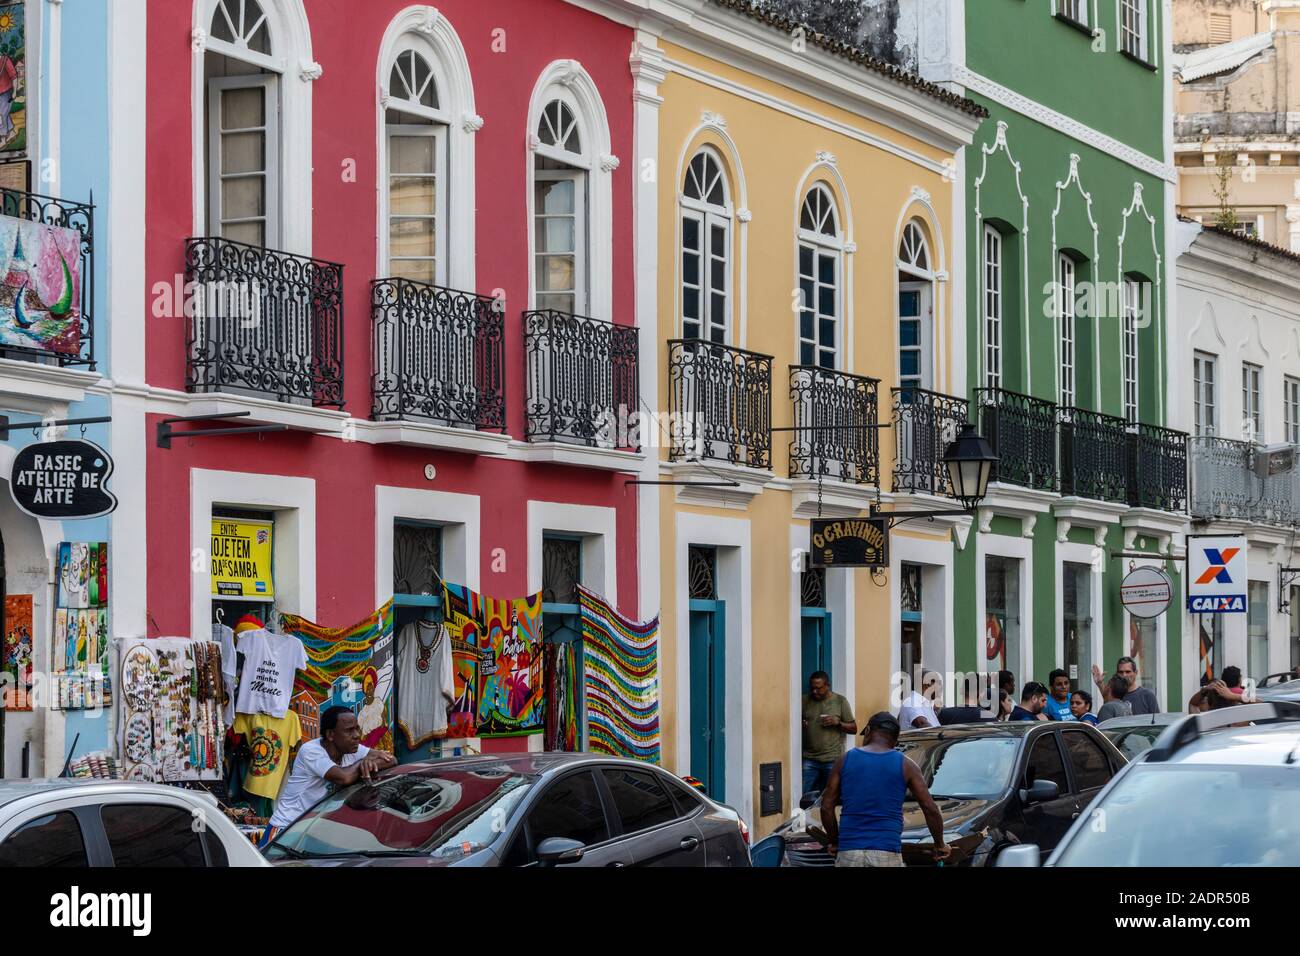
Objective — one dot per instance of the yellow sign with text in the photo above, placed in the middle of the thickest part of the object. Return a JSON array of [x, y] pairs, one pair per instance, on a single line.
[[241, 559]]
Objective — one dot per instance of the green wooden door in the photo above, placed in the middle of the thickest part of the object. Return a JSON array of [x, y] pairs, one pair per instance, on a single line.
[[708, 696]]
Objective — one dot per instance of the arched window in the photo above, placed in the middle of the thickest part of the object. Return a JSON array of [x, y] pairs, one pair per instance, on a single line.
[[821, 250], [706, 249], [416, 140], [915, 308], [913, 253], [559, 208]]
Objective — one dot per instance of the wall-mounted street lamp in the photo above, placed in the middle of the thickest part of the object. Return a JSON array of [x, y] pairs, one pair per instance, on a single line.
[[969, 460]]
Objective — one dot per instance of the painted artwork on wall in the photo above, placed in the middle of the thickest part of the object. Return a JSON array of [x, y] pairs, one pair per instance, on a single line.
[[510, 668], [40, 288], [17, 661], [13, 78]]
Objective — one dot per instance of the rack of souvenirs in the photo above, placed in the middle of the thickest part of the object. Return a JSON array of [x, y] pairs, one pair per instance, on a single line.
[[80, 655], [100, 765], [169, 719]]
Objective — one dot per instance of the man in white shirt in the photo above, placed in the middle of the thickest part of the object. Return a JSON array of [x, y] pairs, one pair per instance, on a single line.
[[336, 759], [918, 709]]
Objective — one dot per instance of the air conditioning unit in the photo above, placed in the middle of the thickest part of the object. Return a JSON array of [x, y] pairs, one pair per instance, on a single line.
[[1275, 459]]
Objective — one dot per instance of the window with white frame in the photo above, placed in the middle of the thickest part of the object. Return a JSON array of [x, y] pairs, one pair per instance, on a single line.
[[992, 307], [820, 252], [1076, 10], [243, 125], [914, 296], [1291, 405], [560, 211], [1065, 297], [706, 249], [1133, 28], [1252, 415], [1132, 308], [1205, 393], [416, 144]]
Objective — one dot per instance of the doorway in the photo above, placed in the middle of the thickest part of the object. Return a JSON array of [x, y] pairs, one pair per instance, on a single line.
[[708, 683]]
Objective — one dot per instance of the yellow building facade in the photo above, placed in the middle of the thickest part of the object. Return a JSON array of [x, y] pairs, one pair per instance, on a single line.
[[799, 244]]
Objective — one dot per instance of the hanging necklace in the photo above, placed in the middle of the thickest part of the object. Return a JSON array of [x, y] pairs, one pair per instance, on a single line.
[[425, 650]]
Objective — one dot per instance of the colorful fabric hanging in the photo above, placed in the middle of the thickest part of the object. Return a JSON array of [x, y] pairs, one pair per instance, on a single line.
[[621, 682], [462, 613], [510, 668], [562, 697], [349, 667]]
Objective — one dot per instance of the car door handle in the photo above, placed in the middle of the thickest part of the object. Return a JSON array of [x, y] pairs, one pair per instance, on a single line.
[[690, 843], [616, 863]]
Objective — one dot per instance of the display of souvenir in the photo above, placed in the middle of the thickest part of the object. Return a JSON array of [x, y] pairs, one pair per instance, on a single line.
[[139, 737], [139, 675]]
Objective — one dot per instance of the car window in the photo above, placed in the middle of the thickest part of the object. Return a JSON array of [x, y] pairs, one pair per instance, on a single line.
[[150, 834], [1045, 763], [570, 808], [639, 799], [52, 840], [1133, 742], [963, 767], [687, 800], [216, 850], [517, 854], [1091, 768]]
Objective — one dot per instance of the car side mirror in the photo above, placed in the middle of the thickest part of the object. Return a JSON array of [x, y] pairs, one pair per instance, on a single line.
[[1022, 854], [1040, 792], [554, 851]]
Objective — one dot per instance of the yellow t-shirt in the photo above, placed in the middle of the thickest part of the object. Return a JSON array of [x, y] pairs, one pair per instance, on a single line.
[[270, 739]]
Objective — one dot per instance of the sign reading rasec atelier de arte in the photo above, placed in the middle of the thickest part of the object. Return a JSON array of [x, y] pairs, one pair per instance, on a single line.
[[62, 479], [849, 543]]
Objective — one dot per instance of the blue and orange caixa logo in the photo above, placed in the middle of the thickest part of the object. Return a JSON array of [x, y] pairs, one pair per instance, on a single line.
[[1216, 575]]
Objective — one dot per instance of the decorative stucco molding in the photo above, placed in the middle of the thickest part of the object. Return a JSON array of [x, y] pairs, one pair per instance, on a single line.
[[310, 71]]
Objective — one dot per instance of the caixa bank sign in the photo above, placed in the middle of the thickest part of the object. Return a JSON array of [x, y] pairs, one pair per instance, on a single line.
[[1216, 574]]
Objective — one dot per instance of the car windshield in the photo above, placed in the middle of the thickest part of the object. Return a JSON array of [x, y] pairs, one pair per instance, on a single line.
[[449, 813], [963, 767], [1132, 741], [1161, 815]]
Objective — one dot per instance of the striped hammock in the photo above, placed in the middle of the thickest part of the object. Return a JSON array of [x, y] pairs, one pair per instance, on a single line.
[[621, 665]]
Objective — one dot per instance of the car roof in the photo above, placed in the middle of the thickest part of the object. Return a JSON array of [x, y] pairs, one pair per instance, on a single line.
[[14, 790], [989, 728], [1268, 745], [1140, 720], [527, 764]]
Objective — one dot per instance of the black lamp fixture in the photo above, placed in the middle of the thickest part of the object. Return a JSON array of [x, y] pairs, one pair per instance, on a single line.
[[969, 460]]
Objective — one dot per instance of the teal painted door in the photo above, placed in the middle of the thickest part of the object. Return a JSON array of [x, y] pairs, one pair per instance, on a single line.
[[708, 696], [816, 646]]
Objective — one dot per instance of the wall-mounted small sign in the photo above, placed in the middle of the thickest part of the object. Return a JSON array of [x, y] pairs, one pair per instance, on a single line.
[[62, 479], [1146, 592], [849, 543]]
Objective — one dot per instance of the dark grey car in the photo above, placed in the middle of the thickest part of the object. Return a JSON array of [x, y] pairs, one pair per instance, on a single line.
[[517, 810]]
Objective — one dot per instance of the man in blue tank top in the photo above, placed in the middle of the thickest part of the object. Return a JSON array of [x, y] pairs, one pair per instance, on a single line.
[[871, 782]]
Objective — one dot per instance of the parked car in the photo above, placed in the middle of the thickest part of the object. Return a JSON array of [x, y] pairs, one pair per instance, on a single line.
[[1132, 735], [66, 822], [1218, 789], [517, 810], [997, 785], [1283, 687]]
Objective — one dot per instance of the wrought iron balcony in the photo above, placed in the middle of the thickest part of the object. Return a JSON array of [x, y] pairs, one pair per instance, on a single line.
[[582, 380], [1157, 472], [721, 401], [264, 322], [824, 399], [50, 265], [1022, 430], [438, 355], [1239, 480], [925, 423], [1094, 455]]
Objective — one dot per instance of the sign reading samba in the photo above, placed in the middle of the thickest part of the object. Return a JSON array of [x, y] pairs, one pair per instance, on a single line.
[[241, 559], [849, 543]]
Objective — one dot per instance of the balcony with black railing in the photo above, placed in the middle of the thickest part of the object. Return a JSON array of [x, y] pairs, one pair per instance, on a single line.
[[720, 398], [1237, 480], [1157, 468], [833, 415], [1094, 455], [438, 356], [582, 380], [1022, 431], [264, 323], [925, 423]]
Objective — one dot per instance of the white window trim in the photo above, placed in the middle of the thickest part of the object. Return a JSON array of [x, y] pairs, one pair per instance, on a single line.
[[1068, 387], [581, 283], [424, 29], [217, 87], [1090, 555], [1291, 408], [567, 80], [822, 244], [1162, 648], [708, 216], [1201, 390], [1142, 34], [441, 246], [925, 345], [1252, 400], [292, 59], [1132, 296], [596, 526], [457, 515], [988, 545], [992, 323]]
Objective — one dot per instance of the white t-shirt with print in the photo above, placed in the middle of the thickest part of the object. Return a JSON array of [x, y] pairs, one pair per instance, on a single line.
[[307, 785], [270, 661]]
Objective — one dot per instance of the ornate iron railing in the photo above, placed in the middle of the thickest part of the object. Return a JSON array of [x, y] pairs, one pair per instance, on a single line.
[[1230, 479], [582, 380], [265, 322], [1022, 430], [823, 400], [49, 321], [438, 355], [721, 402], [925, 423], [1094, 455], [1157, 468]]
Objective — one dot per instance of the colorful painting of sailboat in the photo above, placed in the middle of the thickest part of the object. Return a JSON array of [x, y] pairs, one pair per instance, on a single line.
[[40, 296]]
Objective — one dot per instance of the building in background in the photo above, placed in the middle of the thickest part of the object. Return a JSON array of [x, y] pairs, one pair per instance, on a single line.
[[1235, 352], [1237, 115]]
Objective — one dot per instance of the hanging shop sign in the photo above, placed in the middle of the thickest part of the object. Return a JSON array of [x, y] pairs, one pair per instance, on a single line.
[[241, 559], [62, 479], [1216, 574], [849, 543], [1146, 592]]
